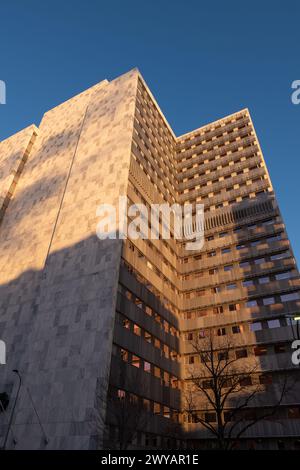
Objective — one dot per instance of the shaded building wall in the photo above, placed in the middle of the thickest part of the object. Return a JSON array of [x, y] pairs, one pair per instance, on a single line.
[[58, 281]]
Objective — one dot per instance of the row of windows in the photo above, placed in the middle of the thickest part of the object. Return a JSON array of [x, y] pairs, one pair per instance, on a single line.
[[242, 246], [235, 120], [148, 337], [242, 264], [148, 439], [166, 379], [247, 282], [292, 412], [151, 266], [263, 301], [236, 200], [241, 230], [238, 136], [148, 405], [245, 381], [217, 153], [237, 230], [205, 198], [233, 307], [223, 176]]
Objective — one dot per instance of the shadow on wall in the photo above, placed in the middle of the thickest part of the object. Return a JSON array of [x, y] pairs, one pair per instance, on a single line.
[[57, 324]]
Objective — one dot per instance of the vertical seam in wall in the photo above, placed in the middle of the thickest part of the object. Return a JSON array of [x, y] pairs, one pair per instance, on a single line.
[[65, 188]]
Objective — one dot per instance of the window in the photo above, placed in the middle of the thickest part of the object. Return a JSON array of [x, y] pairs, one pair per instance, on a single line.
[[210, 417], [221, 331], [157, 408], [148, 310], [217, 310], [259, 260], [248, 283], [231, 286], [294, 413], [268, 301], [213, 271], [229, 267], [126, 323], [244, 264], [191, 359], [189, 336], [264, 280], [283, 255], [211, 254], [225, 250], [279, 348], [289, 297], [245, 381], [121, 394], [147, 367], [207, 384], [286, 275], [260, 350], [251, 303], [241, 247], [223, 356], [135, 361], [228, 416], [233, 307], [147, 337], [274, 238], [236, 329], [216, 289], [223, 234], [256, 326], [137, 330], [265, 379], [124, 355], [241, 353], [274, 323], [268, 222]]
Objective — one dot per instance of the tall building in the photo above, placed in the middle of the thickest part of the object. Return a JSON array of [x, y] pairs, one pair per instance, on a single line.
[[85, 319]]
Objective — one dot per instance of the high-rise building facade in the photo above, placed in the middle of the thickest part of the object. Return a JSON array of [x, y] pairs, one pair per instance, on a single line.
[[84, 319]]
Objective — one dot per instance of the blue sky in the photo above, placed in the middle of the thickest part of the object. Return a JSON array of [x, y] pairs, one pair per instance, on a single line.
[[202, 61]]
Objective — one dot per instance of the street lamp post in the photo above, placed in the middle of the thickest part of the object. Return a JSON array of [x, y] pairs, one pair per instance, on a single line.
[[13, 410]]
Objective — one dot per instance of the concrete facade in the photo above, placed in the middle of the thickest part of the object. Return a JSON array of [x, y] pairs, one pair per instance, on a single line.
[[76, 312]]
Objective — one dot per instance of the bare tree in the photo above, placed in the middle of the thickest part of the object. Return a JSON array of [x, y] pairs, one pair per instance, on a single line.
[[223, 384]]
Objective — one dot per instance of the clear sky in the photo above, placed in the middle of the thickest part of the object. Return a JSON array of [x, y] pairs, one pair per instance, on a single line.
[[202, 60]]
